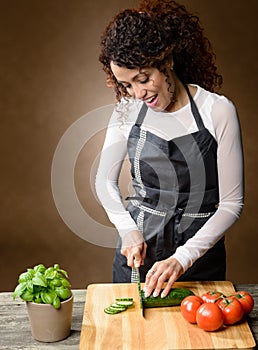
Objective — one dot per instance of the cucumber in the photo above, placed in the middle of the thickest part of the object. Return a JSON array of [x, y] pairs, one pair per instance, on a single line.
[[118, 307], [121, 304], [126, 303], [174, 298], [111, 311]]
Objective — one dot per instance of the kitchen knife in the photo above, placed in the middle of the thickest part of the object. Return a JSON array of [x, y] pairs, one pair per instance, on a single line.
[[136, 279]]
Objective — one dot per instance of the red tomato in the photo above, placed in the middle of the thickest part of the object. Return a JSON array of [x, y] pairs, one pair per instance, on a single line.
[[212, 296], [232, 310], [246, 300], [209, 317], [189, 306]]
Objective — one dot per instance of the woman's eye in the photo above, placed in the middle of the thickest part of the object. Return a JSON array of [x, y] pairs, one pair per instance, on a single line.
[[144, 81], [125, 86]]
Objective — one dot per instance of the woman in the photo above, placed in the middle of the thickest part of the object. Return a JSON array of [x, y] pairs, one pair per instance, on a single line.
[[183, 142]]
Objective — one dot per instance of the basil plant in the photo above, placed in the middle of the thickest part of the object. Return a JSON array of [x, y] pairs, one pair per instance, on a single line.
[[43, 285]]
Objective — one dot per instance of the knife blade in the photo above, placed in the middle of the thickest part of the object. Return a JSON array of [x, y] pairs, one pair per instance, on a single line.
[[136, 272]]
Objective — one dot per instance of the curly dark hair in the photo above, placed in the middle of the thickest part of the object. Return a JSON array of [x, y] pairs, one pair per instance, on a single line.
[[153, 35]]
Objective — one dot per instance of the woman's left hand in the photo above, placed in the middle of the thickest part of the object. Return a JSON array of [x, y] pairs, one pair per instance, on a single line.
[[166, 270]]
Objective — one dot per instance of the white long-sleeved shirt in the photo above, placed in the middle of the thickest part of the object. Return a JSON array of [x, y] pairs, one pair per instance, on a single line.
[[220, 118]]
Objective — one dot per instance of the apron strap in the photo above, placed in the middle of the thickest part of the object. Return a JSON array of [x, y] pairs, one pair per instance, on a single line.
[[195, 111], [141, 114]]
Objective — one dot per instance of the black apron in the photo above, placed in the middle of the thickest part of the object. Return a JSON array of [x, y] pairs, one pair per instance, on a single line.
[[176, 192]]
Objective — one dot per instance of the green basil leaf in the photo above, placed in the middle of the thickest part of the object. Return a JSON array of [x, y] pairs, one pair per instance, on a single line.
[[56, 303], [30, 286], [50, 273], [39, 280], [47, 297], [63, 272], [31, 272], [39, 268], [56, 282], [27, 296], [63, 293], [24, 277], [65, 283], [60, 271], [20, 288]]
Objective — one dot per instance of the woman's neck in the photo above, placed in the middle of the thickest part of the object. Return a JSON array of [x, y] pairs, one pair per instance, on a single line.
[[181, 96]]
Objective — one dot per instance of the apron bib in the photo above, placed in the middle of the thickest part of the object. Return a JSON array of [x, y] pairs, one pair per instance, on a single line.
[[176, 192]]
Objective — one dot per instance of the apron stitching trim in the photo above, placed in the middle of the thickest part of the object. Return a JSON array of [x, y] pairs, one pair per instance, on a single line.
[[197, 215], [163, 213], [139, 147], [147, 209], [140, 220]]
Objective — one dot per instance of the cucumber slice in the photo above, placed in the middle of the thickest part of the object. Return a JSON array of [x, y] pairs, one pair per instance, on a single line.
[[118, 307], [111, 311], [124, 299], [126, 303]]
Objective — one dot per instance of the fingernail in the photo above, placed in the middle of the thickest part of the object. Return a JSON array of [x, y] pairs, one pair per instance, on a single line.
[[146, 293], [155, 294], [162, 295]]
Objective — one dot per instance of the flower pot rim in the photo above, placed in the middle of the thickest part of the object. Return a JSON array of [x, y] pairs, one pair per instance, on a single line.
[[43, 304]]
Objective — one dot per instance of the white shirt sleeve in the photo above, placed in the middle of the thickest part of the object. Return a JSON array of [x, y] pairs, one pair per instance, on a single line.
[[107, 179], [230, 174]]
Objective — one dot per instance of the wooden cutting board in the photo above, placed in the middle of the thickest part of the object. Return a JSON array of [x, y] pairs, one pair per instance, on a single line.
[[160, 329]]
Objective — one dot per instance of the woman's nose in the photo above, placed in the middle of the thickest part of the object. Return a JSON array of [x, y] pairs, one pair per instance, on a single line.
[[139, 92]]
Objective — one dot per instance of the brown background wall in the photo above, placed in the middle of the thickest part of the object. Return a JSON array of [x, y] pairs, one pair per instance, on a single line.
[[49, 78]]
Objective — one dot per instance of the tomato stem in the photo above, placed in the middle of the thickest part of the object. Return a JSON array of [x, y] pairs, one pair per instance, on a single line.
[[220, 297]]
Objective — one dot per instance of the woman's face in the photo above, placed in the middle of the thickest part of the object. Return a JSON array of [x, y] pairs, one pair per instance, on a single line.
[[146, 84]]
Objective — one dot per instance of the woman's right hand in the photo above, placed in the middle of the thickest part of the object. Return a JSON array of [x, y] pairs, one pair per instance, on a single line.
[[134, 248]]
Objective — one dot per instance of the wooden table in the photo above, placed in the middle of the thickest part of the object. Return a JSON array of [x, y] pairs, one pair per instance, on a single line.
[[15, 329]]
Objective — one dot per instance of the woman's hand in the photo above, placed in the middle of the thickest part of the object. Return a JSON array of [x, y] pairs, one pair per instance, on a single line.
[[134, 248], [169, 269]]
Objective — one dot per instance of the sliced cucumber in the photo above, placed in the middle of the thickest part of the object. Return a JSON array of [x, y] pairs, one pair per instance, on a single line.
[[126, 303], [111, 311], [124, 299], [120, 305]]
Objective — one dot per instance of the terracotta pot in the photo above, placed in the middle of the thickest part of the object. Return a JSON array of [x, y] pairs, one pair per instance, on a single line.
[[49, 324]]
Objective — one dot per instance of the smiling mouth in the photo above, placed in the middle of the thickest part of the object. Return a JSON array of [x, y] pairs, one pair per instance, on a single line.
[[152, 101]]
